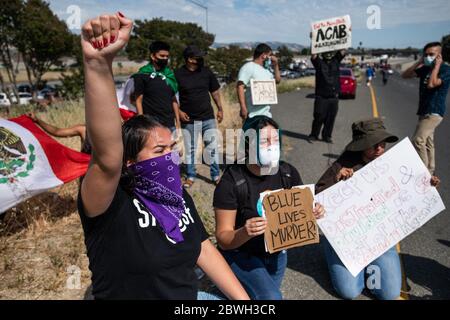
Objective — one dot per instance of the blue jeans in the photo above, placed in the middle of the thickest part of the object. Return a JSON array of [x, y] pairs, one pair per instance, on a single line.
[[349, 287], [261, 277], [202, 295], [211, 144]]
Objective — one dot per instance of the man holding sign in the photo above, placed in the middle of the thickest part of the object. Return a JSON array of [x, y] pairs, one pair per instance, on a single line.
[[367, 213], [240, 225], [330, 38], [258, 70]]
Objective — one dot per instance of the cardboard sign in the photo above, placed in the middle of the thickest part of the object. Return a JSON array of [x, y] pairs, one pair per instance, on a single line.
[[290, 220], [331, 35], [264, 92], [379, 206]]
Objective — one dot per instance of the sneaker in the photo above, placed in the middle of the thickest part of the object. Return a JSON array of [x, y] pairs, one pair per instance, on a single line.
[[328, 140], [188, 183], [216, 181], [312, 138]]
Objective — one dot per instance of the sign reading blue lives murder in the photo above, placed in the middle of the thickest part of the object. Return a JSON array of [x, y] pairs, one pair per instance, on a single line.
[[384, 202], [331, 35], [290, 218]]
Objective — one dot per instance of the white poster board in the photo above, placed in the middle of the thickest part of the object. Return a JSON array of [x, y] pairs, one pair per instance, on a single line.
[[264, 92], [331, 34], [380, 205]]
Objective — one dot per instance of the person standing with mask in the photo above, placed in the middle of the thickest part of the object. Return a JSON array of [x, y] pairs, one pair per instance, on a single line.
[[197, 84], [156, 87], [434, 77], [328, 88], [259, 69], [240, 226]]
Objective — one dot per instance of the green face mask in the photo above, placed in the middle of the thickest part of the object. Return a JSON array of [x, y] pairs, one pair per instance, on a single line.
[[267, 63]]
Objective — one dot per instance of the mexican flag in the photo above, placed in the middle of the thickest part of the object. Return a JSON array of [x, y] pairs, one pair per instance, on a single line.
[[126, 106], [31, 162]]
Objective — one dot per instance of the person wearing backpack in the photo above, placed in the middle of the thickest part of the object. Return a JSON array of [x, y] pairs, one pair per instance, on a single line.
[[239, 224]]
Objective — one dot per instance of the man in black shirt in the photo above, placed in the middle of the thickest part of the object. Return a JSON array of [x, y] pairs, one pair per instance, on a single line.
[[196, 83], [328, 88], [156, 87]]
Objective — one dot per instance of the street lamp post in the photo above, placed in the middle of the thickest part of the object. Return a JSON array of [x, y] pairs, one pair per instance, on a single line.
[[204, 8]]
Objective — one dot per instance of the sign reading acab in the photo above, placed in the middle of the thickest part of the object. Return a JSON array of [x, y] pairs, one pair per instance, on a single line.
[[331, 34]]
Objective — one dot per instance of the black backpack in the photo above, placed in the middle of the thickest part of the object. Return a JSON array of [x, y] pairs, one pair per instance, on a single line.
[[240, 181]]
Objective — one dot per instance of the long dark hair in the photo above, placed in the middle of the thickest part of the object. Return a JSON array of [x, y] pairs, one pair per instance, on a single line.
[[135, 133], [257, 123]]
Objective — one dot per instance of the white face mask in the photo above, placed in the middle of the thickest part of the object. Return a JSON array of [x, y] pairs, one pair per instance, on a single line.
[[429, 60], [269, 156]]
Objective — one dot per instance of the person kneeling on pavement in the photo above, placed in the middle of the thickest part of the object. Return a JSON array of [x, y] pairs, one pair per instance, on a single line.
[[240, 226], [369, 142]]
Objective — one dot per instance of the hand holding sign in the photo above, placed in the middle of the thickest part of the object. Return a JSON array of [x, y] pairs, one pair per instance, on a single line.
[[291, 219], [331, 35], [255, 227]]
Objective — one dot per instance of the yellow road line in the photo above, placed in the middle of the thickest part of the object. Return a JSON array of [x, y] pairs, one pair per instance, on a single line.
[[374, 102], [403, 294]]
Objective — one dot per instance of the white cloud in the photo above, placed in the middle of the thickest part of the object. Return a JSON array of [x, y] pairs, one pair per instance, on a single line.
[[259, 20]]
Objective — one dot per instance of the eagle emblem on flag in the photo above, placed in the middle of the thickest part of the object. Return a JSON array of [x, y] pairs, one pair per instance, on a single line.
[[15, 160]]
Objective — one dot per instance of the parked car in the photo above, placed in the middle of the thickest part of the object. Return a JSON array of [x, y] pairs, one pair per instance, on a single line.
[[4, 101], [348, 83], [294, 75], [24, 88], [24, 98], [309, 72], [119, 84], [284, 73]]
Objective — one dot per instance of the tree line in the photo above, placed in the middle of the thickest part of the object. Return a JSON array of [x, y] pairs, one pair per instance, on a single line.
[[32, 34]]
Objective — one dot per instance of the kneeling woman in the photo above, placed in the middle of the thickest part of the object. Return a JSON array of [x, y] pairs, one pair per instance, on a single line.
[[142, 231], [369, 142], [239, 225]]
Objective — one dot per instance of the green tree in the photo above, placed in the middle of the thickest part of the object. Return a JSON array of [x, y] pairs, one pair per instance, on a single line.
[[43, 40], [10, 12], [306, 52], [446, 48], [285, 57], [227, 61], [72, 85], [177, 34]]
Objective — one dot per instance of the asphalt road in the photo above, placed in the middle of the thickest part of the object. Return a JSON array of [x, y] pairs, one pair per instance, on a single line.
[[425, 253]]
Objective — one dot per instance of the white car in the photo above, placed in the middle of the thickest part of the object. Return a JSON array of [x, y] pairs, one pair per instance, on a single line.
[[24, 98], [4, 101]]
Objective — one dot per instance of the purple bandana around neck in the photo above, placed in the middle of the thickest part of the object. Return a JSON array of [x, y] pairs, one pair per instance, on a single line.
[[158, 187]]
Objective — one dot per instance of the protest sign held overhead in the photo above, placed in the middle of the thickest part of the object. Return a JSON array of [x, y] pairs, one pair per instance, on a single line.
[[384, 202], [331, 34], [290, 218]]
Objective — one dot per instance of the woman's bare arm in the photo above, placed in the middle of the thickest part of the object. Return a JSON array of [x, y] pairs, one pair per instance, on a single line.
[[103, 120]]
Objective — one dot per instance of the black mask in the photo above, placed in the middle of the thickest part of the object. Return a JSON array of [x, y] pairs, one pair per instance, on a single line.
[[162, 63], [327, 56], [200, 62]]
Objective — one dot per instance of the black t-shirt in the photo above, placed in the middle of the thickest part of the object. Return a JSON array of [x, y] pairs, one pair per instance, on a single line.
[[157, 98], [225, 197], [433, 100], [328, 84], [194, 89], [130, 256]]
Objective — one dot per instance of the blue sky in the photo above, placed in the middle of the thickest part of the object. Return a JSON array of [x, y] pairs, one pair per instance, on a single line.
[[403, 22]]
